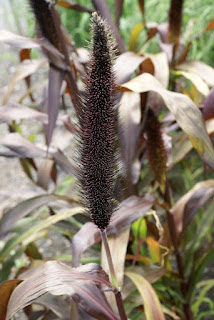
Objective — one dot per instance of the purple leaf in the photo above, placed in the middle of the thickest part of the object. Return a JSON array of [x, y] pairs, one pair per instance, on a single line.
[[130, 210], [55, 83], [83, 284]]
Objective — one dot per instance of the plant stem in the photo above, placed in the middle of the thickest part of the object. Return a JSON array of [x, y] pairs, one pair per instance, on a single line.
[[179, 260], [117, 292]]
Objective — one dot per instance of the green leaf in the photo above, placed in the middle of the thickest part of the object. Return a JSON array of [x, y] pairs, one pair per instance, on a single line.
[[134, 35], [152, 306]]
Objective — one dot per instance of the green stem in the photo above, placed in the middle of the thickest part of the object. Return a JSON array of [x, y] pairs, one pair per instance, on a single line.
[[117, 292]]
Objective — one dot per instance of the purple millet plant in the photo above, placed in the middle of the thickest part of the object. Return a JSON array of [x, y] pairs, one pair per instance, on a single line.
[[98, 128]]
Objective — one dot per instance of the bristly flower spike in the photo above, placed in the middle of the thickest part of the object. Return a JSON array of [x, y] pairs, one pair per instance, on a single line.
[[45, 23], [98, 127]]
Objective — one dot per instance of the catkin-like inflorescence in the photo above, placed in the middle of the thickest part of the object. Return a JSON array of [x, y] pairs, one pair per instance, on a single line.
[[155, 148], [98, 129], [45, 23]]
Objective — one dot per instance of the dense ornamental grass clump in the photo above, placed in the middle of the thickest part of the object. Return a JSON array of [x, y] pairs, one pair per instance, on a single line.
[[98, 129]]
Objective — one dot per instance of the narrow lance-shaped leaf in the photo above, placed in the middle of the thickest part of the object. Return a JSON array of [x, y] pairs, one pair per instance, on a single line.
[[152, 306]]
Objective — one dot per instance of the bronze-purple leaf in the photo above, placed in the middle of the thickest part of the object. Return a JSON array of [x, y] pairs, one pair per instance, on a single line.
[[84, 284], [130, 210]]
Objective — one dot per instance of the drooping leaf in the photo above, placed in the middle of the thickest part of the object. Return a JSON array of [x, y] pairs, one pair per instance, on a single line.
[[17, 41], [73, 5], [132, 62], [6, 289], [14, 111], [34, 229], [26, 68], [82, 283], [130, 210], [200, 84], [24, 208], [23, 148], [204, 71], [184, 110], [186, 207], [152, 306]]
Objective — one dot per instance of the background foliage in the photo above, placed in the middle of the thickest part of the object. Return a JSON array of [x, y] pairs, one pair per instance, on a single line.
[[162, 233]]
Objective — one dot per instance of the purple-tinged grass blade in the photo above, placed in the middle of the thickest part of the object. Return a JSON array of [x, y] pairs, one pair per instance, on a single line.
[[21, 147], [208, 110], [73, 5], [130, 210], [24, 208], [26, 68], [14, 111], [103, 9], [118, 5], [186, 113], [83, 284], [56, 78], [187, 206]]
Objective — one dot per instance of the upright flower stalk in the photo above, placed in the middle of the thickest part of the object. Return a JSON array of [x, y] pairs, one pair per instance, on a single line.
[[98, 129], [97, 158]]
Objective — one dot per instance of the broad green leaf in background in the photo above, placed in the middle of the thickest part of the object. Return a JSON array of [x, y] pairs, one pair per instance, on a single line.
[[152, 306], [184, 110]]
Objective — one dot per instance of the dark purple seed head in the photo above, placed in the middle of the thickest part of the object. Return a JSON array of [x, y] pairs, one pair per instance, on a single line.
[[45, 23], [155, 148], [98, 127]]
